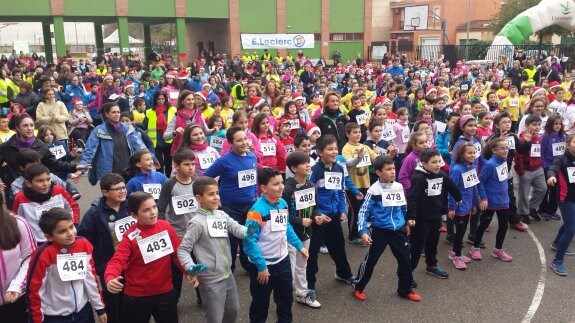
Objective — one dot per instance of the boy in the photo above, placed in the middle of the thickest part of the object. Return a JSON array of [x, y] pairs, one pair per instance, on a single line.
[[139, 111], [558, 105], [439, 112], [513, 104], [39, 196], [103, 225], [300, 195], [313, 132], [301, 143], [5, 132], [358, 116], [401, 100], [65, 267], [380, 208], [425, 204], [328, 177], [359, 175], [207, 237], [267, 250], [128, 118], [529, 169]]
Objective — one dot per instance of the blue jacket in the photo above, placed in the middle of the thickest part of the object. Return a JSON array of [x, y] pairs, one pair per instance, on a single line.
[[329, 202], [442, 145], [95, 227], [348, 182], [227, 168], [136, 183], [89, 98], [73, 92], [149, 96], [100, 141], [381, 217], [478, 159], [469, 196], [490, 188], [547, 142]]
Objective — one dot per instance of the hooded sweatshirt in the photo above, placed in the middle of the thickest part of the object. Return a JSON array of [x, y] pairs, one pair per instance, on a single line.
[[428, 194]]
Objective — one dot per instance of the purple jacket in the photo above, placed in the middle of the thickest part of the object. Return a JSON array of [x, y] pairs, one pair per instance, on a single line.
[[547, 142], [407, 169]]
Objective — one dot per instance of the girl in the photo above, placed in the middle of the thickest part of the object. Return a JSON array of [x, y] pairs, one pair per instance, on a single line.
[[273, 151], [227, 112], [401, 129], [484, 127], [216, 140], [81, 123], [315, 104], [494, 198], [205, 155], [291, 113], [284, 137], [60, 152], [417, 142], [171, 88], [560, 176], [141, 175], [466, 109], [464, 175], [240, 119], [16, 109], [552, 145], [280, 106], [503, 91], [537, 106], [426, 115], [265, 109], [465, 131], [417, 104], [378, 145]]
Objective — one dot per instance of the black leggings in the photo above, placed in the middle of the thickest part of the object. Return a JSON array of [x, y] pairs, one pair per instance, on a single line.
[[503, 222], [460, 228]]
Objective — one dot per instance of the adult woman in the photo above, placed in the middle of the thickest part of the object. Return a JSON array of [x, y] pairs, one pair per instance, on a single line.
[[5, 83], [271, 93], [172, 88], [156, 123], [110, 145], [195, 139], [25, 138], [108, 88], [537, 106], [16, 245], [54, 113], [186, 114], [27, 98]]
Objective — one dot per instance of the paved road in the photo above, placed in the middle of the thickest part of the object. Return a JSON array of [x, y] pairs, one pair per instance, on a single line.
[[488, 291]]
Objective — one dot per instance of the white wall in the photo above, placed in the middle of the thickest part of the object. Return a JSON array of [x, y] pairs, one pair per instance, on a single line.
[[32, 32]]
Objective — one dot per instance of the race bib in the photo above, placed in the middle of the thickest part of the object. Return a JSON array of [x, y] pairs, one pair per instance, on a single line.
[[380, 151], [246, 178], [279, 219], [361, 118], [289, 149], [294, 124], [153, 189], [511, 143], [558, 149], [122, 225], [391, 197], [389, 123], [58, 151], [440, 126], [47, 207], [470, 178], [434, 186], [217, 228], [388, 134], [465, 87], [174, 95], [333, 180], [230, 118], [206, 160], [155, 246], [72, 267], [268, 149], [216, 142], [513, 102], [535, 150], [502, 172], [571, 174], [365, 161], [304, 198], [477, 149], [405, 135], [184, 204], [561, 110]]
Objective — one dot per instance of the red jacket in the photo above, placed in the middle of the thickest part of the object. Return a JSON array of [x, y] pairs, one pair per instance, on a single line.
[[524, 162], [141, 279], [276, 160]]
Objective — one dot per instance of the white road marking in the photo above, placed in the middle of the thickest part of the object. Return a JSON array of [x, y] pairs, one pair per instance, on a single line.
[[541, 284]]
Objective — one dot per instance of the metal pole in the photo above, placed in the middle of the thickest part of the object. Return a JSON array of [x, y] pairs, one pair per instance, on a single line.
[[76, 28], [468, 25]]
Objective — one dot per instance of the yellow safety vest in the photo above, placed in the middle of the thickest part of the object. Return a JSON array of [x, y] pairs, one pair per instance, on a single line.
[[530, 75], [268, 56], [152, 119], [4, 86], [238, 102]]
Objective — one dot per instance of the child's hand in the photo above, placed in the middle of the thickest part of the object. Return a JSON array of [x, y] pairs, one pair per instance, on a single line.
[[193, 280], [263, 277], [343, 218], [306, 222], [359, 196], [115, 286], [196, 269], [411, 223], [103, 318], [252, 226], [451, 214], [318, 219], [550, 181], [366, 239], [527, 135], [483, 205], [11, 297], [2, 186], [304, 253], [360, 153], [326, 219]]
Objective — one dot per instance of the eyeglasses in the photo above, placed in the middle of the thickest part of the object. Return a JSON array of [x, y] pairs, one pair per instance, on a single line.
[[117, 189]]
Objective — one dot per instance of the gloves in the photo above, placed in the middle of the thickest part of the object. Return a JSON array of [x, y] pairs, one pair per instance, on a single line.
[[196, 269], [251, 228]]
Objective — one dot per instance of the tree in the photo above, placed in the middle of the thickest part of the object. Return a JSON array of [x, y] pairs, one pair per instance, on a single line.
[[512, 8]]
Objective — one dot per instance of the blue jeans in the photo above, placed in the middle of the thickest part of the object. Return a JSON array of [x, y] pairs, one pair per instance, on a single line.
[[567, 230]]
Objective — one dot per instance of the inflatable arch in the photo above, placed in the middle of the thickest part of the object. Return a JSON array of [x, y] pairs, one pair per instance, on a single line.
[[545, 14]]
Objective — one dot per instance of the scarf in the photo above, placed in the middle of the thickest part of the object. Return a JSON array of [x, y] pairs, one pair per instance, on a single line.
[[23, 144], [182, 119], [333, 114], [117, 126], [38, 197], [161, 123], [200, 147]]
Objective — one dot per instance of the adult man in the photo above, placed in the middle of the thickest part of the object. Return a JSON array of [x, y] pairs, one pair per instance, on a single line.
[[545, 72], [395, 69]]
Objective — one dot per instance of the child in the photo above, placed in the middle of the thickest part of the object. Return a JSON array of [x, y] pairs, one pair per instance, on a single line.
[[227, 112], [273, 151], [464, 175], [552, 145], [442, 139], [558, 105], [81, 123], [314, 105], [5, 132], [561, 176], [140, 268], [439, 112], [426, 115], [57, 148], [484, 127], [217, 139], [417, 142], [466, 109], [291, 114], [401, 130], [65, 267], [128, 119], [195, 140], [40, 195], [143, 176], [384, 207], [425, 204], [207, 237], [529, 169], [267, 250], [494, 197], [313, 133], [103, 225], [358, 116], [300, 195], [265, 109], [328, 177], [359, 174], [514, 106], [139, 111]]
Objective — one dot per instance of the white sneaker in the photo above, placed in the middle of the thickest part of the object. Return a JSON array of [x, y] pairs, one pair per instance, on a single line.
[[323, 249], [308, 300]]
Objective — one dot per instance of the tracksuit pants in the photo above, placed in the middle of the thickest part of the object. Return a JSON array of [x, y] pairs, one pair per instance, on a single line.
[[163, 307], [280, 283], [425, 233]]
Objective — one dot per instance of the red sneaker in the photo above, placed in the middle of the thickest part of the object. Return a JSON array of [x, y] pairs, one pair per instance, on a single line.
[[488, 229], [519, 227], [443, 229], [414, 297], [360, 295]]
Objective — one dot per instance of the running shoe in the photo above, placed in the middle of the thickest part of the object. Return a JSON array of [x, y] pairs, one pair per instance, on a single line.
[[569, 252], [519, 227], [350, 280], [499, 253], [412, 296], [453, 256], [309, 300], [437, 272], [475, 253], [536, 216], [555, 216], [459, 264], [442, 229], [323, 249], [357, 242], [360, 295], [558, 268]]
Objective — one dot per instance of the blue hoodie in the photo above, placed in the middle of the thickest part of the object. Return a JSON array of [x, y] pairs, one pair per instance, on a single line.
[[381, 217], [547, 142], [442, 145], [329, 202], [470, 196], [498, 198], [136, 183], [73, 92]]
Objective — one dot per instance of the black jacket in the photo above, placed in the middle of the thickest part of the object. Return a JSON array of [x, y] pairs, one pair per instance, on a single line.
[[333, 126], [421, 206], [296, 216]]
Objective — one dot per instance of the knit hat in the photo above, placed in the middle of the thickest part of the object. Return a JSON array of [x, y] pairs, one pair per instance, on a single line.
[[554, 86], [128, 85], [537, 90], [108, 76], [442, 94], [202, 95], [171, 75], [463, 120], [183, 74], [256, 101], [77, 101], [206, 84], [430, 89], [311, 128], [297, 96]]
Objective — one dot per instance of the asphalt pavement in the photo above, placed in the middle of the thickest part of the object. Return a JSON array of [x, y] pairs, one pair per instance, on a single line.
[[524, 290]]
